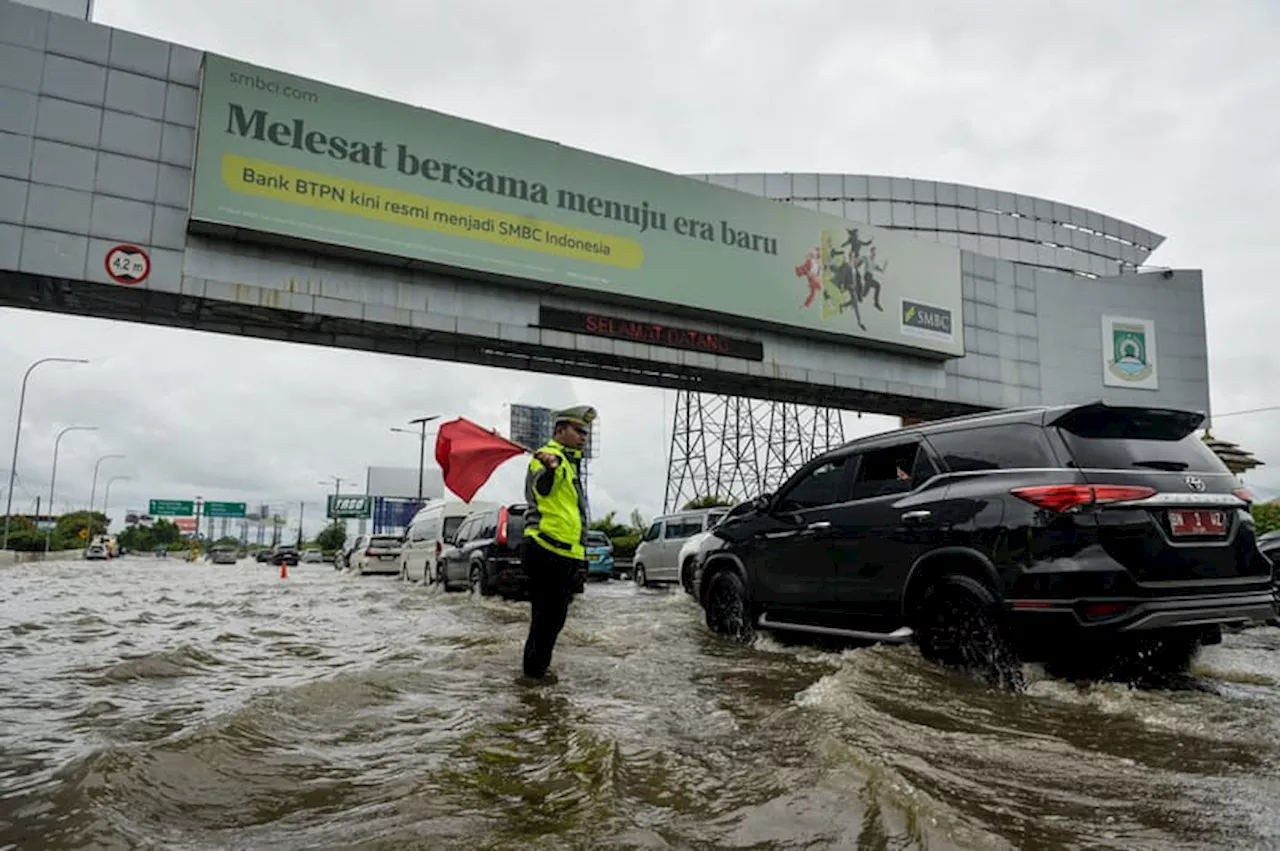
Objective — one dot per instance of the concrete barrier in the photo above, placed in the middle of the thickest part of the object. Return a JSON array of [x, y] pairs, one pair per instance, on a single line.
[[17, 557]]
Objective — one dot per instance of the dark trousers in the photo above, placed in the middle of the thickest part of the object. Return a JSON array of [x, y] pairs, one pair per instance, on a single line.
[[552, 579]]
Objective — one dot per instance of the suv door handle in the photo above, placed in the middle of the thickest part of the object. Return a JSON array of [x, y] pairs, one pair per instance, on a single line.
[[917, 515], [818, 525]]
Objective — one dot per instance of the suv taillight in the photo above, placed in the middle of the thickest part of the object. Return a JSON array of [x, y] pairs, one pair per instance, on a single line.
[[370, 552], [1245, 494], [1063, 498], [502, 526], [439, 549]]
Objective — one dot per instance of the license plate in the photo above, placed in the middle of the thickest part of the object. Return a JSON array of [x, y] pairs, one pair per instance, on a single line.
[[1187, 523], [386, 558]]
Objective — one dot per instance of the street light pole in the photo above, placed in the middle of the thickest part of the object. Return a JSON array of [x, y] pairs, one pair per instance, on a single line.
[[106, 499], [93, 493], [17, 434], [53, 476], [421, 422]]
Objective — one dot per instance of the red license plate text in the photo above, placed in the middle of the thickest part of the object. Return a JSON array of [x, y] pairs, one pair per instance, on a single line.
[[1188, 523]]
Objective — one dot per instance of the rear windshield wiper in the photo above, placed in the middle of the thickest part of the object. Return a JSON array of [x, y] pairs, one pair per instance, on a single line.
[[1172, 466]]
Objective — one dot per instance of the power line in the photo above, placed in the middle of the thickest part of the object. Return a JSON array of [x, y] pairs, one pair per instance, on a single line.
[[1249, 411]]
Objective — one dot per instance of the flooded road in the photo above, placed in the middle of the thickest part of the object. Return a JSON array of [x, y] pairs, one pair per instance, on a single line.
[[158, 704]]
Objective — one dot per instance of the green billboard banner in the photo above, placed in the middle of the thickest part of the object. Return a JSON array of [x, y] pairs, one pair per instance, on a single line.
[[298, 158], [224, 509], [172, 507], [349, 507]]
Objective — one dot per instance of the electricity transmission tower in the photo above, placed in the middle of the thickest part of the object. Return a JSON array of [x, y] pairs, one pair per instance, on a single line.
[[736, 448]]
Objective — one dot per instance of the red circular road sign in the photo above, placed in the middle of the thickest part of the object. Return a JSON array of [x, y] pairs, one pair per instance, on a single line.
[[128, 264]]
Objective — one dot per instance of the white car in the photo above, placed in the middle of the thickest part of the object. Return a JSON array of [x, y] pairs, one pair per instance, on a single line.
[[376, 554], [658, 557], [430, 531], [96, 552]]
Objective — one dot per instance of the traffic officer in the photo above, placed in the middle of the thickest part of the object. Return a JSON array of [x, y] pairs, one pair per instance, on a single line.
[[555, 530]]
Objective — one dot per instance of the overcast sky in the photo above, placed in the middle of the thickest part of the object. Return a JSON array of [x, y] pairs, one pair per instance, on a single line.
[[1159, 112]]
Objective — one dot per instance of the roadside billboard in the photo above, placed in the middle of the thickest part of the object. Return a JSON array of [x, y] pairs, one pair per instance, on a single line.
[[403, 481], [294, 157]]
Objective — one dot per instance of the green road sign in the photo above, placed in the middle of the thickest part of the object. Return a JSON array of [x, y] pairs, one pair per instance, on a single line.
[[224, 509], [172, 507], [350, 506]]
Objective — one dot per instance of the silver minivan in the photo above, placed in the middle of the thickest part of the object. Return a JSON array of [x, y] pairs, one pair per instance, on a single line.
[[657, 558]]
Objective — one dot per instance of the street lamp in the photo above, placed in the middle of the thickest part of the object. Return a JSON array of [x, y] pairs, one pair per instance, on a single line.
[[48, 535], [337, 483], [421, 422], [17, 433], [93, 494], [106, 499]]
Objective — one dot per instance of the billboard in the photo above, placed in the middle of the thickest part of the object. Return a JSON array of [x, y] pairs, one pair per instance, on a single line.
[[348, 506], [285, 155], [403, 481]]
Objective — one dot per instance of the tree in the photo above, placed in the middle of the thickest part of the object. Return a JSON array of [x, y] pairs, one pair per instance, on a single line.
[[710, 501], [163, 533], [638, 523], [610, 526], [1267, 517], [333, 536]]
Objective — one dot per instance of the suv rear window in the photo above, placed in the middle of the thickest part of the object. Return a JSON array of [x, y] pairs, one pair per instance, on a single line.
[[1014, 446], [384, 541], [1129, 438]]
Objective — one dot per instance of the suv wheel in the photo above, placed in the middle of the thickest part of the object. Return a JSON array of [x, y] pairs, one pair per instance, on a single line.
[[686, 576], [958, 625], [729, 612], [638, 575], [479, 581]]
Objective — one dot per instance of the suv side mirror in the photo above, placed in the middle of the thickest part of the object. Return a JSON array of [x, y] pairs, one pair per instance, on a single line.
[[762, 502]]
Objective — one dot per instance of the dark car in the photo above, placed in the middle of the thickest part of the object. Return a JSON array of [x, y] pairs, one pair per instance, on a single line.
[[1090, 536], [284, 554], [484, 554]]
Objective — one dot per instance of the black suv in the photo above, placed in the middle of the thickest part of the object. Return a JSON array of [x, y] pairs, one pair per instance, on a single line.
[[282, 555], [1080, 534], [485, 554]]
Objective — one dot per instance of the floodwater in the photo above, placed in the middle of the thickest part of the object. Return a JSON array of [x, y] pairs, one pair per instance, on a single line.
[[159, 704]]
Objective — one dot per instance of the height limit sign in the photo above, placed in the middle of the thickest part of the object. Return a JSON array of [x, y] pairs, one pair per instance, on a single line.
[[128, 264]]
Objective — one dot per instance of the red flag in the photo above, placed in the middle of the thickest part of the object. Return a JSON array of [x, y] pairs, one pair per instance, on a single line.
[[468, 455]]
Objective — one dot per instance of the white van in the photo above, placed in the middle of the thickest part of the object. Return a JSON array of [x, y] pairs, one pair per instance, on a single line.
[[428, 533], [657, 558]]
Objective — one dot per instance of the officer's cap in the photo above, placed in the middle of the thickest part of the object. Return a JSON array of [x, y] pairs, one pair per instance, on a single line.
[[581, 416]]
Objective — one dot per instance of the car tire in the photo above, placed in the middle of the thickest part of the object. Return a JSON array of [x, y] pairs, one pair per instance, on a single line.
[[729, 610], [1157, 660], [479, 581], [686, 577], [638, 576], [958, 625]]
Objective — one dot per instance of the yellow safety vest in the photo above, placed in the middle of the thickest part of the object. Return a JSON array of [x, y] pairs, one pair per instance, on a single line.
[[555, 521]]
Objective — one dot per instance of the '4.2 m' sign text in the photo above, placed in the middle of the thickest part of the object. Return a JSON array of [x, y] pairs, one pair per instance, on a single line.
[[349, 506]]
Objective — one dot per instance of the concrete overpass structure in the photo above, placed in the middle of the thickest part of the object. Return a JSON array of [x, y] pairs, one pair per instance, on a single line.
[[138, 182]]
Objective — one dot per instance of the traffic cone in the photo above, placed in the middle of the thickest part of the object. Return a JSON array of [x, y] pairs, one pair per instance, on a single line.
[[284, 570]]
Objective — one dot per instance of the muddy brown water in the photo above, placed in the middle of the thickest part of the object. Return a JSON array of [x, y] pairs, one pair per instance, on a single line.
[[158, 704]]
